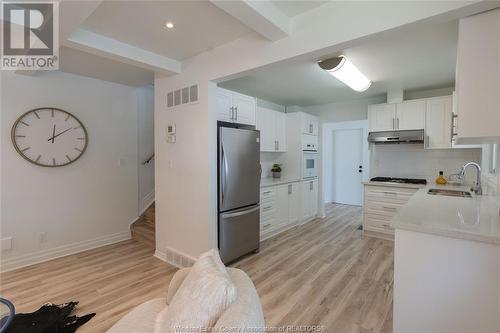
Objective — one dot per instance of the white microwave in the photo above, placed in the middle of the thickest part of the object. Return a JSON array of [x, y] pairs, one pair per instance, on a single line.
[[310, 167]]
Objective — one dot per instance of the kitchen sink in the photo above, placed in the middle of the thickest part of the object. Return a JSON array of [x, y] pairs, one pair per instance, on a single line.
[[450, 193]]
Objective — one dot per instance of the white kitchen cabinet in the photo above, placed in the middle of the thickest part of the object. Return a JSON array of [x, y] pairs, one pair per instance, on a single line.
[[272, 127], [279, 208], [309, 199], [410, 115], [381, 117], [235, 107], [478, 79], [293, 203], [438, 123], [310, 124], [381, 204], [224, 105]]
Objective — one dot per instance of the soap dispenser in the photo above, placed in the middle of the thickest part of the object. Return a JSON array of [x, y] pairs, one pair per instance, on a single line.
[[440, 180]]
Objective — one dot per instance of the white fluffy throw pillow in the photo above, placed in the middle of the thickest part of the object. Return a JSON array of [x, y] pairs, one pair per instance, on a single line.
[[204, 295]]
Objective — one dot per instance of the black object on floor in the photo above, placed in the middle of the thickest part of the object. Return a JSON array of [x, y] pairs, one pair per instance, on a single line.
[[50, 318], [360, 227]]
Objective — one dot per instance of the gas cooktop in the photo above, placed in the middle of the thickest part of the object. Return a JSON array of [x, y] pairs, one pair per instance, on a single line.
[[399, 180]]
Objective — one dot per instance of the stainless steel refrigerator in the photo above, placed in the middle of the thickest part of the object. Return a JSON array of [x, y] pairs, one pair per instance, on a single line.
[[239, 183]]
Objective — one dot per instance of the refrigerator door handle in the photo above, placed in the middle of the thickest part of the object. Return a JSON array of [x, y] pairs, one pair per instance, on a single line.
[[224, 173], [243, 212]]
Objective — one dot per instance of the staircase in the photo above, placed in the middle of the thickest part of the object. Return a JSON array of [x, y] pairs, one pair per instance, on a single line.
[[143, 230]]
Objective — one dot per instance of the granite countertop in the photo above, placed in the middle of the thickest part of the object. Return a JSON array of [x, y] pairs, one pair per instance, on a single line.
[[269, 181], [476, 218]]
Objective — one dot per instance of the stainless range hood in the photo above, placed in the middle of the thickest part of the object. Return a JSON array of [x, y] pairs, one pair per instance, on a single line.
[[400, 136]]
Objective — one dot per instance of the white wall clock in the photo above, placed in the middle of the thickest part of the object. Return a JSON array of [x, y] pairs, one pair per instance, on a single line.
[[49, 137]]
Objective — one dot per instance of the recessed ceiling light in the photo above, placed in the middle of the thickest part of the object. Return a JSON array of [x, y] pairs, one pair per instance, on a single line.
[[346, 72], [169, 25]]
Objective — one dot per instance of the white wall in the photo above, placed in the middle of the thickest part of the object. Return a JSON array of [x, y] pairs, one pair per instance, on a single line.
[[343, 111], [85, 204], [146, 144], [411, 160]]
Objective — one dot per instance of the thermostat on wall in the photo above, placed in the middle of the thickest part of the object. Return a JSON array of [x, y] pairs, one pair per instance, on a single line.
[[170, 129]]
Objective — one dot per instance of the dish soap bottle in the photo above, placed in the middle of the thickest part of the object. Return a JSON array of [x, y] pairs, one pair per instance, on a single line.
[[440, 180]]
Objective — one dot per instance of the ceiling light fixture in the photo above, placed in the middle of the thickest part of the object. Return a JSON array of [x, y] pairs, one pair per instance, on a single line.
[[346, 72], [169, 25]]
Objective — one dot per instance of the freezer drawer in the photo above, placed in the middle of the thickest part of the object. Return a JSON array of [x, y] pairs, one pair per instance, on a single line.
[[239, 232]]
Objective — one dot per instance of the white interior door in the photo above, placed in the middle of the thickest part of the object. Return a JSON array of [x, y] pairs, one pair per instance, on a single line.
[[347, 159]]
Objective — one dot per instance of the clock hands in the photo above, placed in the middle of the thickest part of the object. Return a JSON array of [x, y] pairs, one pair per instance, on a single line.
[[53, 133], [56, 135]]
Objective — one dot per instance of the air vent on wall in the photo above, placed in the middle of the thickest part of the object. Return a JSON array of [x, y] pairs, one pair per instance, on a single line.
[[182, 96]]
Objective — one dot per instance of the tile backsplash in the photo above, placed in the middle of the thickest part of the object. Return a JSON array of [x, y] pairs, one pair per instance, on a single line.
[[412, 161], [267, 160]]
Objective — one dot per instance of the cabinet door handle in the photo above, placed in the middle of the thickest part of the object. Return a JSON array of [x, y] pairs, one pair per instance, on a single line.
[[278, 145], [390, 193], [266, 208], [311, 186], [389, 208], [427, 143], [236, 113], [397, 122], [310, 128], [290, 189], [267, 192]]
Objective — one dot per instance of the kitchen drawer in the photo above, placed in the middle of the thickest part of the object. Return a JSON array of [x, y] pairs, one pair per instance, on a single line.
[[271, 214], [267, 193], [379, 230], [401, 200], [266, 227], [374, 221], [385, 209], [389, 192]]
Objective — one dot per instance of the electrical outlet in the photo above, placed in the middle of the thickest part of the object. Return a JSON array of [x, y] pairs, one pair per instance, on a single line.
[[42, 237], [6, 243]]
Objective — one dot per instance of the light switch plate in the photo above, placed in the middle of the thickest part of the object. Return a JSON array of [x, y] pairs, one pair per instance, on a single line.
[[171, 138], [6, 243]]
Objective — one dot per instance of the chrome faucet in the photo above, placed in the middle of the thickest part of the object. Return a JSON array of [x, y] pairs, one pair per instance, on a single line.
[[477, 188]]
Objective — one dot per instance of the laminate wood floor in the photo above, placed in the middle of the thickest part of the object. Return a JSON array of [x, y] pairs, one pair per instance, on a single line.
[[322, 273]]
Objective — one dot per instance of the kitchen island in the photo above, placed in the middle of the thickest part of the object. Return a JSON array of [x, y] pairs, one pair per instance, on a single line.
[[447, 264]]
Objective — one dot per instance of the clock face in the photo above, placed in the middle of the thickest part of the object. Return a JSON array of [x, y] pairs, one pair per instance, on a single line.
[[49, 137]]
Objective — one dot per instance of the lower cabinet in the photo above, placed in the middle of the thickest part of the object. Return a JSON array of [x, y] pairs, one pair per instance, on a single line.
[[381, 204], [309, 196], [279, 208]]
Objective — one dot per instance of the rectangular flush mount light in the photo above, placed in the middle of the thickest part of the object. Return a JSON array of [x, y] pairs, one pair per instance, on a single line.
[[346, 72]]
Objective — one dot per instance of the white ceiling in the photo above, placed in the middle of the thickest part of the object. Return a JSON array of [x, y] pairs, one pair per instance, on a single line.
[[417, 59], [199, 26], [293, 8], [86, 64]]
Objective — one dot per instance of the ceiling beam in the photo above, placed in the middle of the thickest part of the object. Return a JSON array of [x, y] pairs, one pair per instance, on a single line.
[[100, 45], [261, 16]]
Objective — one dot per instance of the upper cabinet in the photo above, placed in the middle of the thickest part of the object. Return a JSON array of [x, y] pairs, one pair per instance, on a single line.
[[310, 124], [234, 107], [272, 127], [381, 117], [478, 79], [410, 115], [438, 122], [403, 116]]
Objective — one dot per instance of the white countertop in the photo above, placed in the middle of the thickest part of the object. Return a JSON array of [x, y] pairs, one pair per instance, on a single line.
[[476, 218], [269, 181]]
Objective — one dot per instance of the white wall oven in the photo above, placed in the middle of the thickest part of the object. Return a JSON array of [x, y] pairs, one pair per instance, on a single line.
[[310, 167]]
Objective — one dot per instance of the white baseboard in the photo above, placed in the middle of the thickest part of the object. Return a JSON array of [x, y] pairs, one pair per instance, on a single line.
[[147, 201], [61, 251], [175, 258]]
